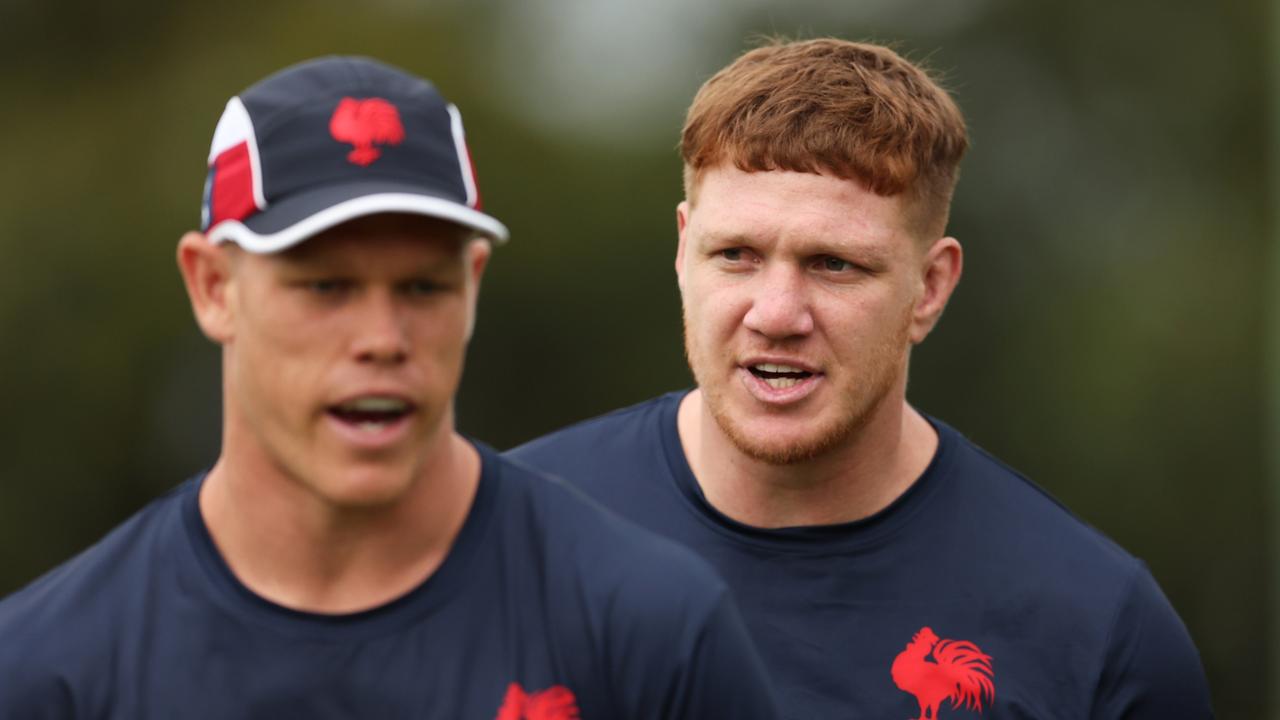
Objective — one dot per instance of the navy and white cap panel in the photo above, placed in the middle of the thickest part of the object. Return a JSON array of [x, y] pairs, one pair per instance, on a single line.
[[333, 139]]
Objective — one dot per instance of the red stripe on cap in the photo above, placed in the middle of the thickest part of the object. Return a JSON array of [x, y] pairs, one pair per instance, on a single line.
[[232, 194], [475, 181]]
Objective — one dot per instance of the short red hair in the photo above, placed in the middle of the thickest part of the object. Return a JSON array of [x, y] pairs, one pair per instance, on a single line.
[[853, 110]]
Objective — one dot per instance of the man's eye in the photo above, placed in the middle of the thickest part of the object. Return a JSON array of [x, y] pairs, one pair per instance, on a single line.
[[835, 264], [731, 254], [326, 286], [421, 287]]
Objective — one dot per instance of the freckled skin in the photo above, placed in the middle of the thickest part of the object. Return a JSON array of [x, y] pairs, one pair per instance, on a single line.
[[804, 266]]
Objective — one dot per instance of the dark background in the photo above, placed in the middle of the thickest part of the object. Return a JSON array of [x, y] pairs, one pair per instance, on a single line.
[[1109, 337]]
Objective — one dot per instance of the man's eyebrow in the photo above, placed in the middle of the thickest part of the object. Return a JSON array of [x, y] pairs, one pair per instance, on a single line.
[[855, 250], [713, 237], [846, 247], [439, 266]]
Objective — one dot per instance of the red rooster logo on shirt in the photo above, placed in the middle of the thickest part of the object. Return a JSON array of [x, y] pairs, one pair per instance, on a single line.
[[363, 123], [555, 703], [958, 672]]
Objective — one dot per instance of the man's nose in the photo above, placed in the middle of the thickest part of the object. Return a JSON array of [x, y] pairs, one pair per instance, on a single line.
[[382, 332], [779, 304]]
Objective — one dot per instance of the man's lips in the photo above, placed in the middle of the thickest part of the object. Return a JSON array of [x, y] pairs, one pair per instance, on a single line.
[[372, 418], [780, 375], [779, 381]]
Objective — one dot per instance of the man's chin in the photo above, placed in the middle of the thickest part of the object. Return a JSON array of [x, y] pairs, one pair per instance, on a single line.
[[781, 453], [777, 444], [362, 487]]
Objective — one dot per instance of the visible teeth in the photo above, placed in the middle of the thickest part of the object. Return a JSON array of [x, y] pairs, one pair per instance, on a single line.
[[782, 382], [370, 426], [770, 367], [375, 404]]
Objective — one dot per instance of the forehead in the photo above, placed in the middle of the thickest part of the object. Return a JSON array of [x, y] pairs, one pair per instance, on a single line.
[[794, 205]]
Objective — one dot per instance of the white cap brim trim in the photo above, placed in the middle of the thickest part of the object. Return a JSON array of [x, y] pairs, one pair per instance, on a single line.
[[237, 232], [464, 155]]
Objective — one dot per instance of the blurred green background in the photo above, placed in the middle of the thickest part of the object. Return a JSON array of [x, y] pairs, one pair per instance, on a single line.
[[1109, 337]]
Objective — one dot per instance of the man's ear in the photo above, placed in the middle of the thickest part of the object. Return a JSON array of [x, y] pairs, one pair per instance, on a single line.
[[939, 275], [206, 272], [477, 254], [682, 225]]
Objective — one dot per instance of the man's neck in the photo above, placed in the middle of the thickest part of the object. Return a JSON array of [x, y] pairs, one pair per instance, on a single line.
[[862, 476], [299, 551]]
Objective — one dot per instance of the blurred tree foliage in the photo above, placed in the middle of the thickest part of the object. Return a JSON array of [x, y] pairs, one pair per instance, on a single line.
[[1106, 340]]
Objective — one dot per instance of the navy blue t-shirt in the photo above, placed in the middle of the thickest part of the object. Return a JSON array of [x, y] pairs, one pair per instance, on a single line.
[[546, 608], [974, 594]]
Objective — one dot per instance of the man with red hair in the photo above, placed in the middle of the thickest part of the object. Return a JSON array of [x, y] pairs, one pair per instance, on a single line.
[[886, 566]]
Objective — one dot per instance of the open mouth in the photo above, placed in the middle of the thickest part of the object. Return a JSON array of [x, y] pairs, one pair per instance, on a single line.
[[779, 377], [371, 414]]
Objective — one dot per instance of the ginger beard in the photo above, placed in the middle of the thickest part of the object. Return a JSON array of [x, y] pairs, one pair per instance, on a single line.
[[860, 390]]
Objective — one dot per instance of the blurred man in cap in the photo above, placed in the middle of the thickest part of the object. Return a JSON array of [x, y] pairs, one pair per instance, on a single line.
[[350, 555], [886, 566]]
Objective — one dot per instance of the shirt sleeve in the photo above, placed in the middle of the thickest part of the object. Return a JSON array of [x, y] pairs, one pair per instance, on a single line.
[[31, 685], [687, 660], [30, 689], [725, 675], [1152, 669]]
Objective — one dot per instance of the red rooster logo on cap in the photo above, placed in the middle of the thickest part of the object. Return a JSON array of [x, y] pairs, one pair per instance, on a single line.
[[959, 672], [364, 123]]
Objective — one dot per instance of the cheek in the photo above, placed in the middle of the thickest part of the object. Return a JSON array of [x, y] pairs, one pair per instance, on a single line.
[[874, 329], [714, 310], [282, 359], [443, 335], [872, 305], [294, 339]]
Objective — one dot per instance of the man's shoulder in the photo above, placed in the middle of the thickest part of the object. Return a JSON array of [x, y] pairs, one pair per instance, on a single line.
[[603, 435], [1016, 571], [89, 587], [1099, 593], [1019, 516], [659, 621], [58, 629], [617, 555]]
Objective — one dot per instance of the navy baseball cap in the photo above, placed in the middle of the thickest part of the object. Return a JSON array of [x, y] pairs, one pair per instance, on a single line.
[[333, 139]]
